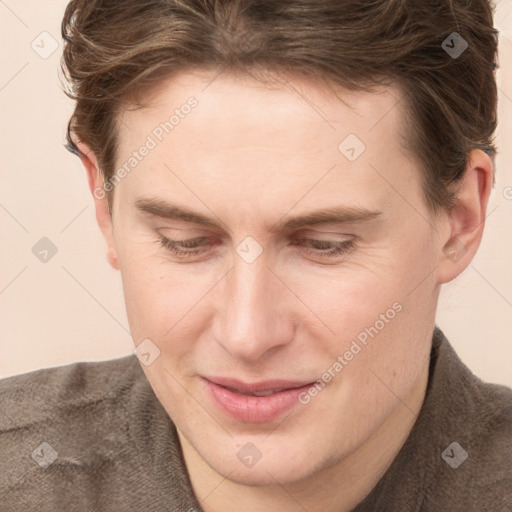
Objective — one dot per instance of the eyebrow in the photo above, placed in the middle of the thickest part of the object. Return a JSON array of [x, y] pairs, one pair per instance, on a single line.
[[334, 215]]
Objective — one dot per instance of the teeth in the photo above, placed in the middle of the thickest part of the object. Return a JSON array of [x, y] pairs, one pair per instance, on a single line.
[[266, 393], [256, 393]]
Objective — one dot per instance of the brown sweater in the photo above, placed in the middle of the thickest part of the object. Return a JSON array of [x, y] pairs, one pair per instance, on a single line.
[[94, 437]]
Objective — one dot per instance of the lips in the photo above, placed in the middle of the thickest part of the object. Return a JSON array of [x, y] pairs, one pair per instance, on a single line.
[[257, 402], [261, 388], [256, 393]]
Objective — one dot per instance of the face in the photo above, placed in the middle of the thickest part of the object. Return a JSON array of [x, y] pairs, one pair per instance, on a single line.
[[275, 237]]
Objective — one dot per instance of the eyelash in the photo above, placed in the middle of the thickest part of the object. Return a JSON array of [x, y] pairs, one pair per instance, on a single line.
[[172, 245], [338, 249]]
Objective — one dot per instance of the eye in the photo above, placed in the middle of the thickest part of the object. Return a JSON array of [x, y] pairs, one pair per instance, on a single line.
[[314, 247], [185, 248], [325, 248]]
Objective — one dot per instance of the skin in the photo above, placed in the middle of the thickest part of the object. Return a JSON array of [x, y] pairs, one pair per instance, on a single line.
[[250, 155]]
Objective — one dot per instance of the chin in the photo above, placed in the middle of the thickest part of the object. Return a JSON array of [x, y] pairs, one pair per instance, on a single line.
[[264, 476], [253, 477], [270, 470]]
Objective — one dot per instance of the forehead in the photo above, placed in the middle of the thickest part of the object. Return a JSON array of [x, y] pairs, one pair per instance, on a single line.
[[245, 137], [262, 108]]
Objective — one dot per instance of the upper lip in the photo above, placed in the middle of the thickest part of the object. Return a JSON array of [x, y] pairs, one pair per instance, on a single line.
[[255, 387]]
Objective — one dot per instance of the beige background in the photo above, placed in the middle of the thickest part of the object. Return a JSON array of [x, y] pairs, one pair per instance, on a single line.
[[71, 308]]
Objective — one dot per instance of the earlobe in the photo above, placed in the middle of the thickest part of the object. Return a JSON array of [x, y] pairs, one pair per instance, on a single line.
[[103, 216], [466, 218], [112, 257]]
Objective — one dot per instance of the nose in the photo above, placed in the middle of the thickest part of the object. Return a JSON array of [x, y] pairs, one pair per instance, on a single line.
[[253, 315]]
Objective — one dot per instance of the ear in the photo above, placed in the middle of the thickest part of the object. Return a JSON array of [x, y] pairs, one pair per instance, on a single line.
[[96, 185], [466, 219]]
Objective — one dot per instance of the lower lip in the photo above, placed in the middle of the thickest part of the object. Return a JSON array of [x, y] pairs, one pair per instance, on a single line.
[[254, 409]]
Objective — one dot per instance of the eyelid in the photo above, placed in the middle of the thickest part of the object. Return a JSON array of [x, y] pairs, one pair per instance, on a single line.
[[181, 230], [323, 236], [297, 237], [188, 234], [327, 256], [322, 232]]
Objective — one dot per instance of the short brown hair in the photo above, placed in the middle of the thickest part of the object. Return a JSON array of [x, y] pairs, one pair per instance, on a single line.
[[114, 48]]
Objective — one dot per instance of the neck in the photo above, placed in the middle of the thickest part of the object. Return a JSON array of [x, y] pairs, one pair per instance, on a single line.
[[339, 487]]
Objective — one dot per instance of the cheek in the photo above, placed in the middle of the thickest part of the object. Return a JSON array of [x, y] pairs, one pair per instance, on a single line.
[[380, 314], [347, 298], [165, 302], [151, 297]]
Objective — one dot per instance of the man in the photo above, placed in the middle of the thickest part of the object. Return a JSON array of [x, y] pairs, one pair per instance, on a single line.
[[284, 187]]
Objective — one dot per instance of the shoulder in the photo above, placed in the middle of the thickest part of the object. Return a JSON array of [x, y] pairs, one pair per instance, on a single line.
[[88, 436], [458, 454], [473, 420], [42, 395], [67, 420], [481, 409]]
